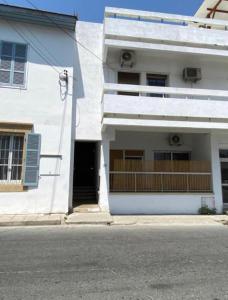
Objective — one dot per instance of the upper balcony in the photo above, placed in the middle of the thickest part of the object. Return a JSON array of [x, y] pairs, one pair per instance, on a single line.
[[151, 31], [137, 105]]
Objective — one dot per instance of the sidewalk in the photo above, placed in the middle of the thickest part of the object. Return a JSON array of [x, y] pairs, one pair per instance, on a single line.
[[107, 219], [31, 220], [168, 220]]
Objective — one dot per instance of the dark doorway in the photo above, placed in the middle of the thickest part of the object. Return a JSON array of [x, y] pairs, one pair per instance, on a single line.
[[85, 173], [128, 78]]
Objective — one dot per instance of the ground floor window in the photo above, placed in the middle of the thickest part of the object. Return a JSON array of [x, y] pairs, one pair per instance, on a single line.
[[170, 155], [11, 158]]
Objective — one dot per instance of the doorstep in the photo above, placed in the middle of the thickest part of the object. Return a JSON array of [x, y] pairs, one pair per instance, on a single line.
[[100, 218], [31, 220]]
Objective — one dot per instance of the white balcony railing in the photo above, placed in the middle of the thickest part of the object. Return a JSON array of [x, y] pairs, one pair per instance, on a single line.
[[165, 18], [137, 100], [112, 88]]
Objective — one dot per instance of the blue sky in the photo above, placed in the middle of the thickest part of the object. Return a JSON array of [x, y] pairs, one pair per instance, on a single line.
[[93, 10]]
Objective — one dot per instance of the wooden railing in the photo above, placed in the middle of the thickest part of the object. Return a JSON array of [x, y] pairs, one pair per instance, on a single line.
[[160, 176]]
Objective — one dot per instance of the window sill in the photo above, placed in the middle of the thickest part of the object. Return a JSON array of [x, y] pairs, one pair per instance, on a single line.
[[11, 188], [14, 87]]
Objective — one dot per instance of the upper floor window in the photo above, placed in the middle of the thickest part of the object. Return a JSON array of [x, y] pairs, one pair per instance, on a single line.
[[157, 80], [13, 58]]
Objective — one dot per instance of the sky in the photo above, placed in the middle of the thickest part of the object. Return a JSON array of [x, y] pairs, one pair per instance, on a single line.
[[93, 10]]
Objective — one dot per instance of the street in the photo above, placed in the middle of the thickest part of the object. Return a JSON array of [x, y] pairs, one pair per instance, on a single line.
[[135, 262]]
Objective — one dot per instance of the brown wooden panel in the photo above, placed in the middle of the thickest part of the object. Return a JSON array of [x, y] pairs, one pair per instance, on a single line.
[[128, 78], [115, 155], [134, 152]]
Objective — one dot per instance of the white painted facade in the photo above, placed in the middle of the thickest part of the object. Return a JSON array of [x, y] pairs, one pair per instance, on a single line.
[[93, 111], [42, 104]]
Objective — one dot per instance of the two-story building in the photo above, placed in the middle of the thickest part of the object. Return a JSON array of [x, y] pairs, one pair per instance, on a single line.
[[158, 125], [130, 115], [36, 111]]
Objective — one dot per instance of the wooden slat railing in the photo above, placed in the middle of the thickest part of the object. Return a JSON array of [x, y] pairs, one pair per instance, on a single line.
[[160, 176]]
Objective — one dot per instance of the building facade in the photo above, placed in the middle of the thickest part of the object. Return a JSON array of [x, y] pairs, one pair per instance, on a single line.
[[134, 120]]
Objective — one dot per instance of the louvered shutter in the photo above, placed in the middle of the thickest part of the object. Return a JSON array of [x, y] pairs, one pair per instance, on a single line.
[[6, 62], [20, 57], [32, 160]]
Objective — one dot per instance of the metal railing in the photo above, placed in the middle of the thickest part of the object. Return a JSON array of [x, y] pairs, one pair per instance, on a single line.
[[121, 181]]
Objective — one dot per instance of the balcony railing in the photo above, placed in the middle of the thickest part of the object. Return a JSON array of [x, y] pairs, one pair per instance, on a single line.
[[188, 93], [165, 18], [161, 176]]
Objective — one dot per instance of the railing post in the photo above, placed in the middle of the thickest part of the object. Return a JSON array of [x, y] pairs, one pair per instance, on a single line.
[[135, 182], [187, 182], [162, 186]]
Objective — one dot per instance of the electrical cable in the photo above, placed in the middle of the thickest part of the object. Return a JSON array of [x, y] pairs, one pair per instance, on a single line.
[[69, 35]]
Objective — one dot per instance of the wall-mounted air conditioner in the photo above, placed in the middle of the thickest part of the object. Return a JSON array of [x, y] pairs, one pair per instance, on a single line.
[[192, 74], [127, 59], [175, 140]]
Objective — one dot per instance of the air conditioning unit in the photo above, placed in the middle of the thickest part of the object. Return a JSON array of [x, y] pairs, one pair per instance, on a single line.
[[175, 140], [127, 59], [192, 74]]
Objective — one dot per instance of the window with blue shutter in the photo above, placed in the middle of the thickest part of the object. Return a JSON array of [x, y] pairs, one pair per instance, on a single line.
[[32, 160], [13, 61]]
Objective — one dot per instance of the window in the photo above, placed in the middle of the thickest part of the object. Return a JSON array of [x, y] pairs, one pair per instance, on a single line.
[[116, 155], [13, 64], [11, 158], [156, 80], [169, 155]]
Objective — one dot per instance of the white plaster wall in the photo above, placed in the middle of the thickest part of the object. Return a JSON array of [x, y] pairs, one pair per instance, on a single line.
[[150, 141], [41, 104], [89, 85], [156, 204], [135, 30], [214, 70]]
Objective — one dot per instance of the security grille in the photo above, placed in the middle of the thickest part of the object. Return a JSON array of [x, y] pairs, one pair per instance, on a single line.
[[11, 158]]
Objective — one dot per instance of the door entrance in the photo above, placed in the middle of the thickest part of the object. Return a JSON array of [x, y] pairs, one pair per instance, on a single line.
[[85, 173], [224, 174]]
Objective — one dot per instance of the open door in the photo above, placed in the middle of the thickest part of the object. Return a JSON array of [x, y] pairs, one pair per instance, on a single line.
[[85, 173]]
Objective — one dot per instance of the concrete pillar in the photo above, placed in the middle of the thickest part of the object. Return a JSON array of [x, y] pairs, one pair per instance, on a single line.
[[104, 173], [216, 174]]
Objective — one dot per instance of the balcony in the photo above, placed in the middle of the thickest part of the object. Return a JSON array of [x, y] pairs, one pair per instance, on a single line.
[[152, 31], [161, 176], [200, 105]]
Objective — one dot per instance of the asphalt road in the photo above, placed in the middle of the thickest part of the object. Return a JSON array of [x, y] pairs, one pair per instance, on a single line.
[[114, 263]]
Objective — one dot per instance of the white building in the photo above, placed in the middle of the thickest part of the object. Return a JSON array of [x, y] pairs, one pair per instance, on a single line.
[[148, 114]]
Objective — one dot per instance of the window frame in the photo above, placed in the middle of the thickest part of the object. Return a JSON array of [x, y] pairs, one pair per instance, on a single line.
[[171, 152], [10, 163], [12, 70]]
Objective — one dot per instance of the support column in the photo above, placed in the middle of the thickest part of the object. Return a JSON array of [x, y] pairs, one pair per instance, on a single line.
[[216, 174], [104, 173]]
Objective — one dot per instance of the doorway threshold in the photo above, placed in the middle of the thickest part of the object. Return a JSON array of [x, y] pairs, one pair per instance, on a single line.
[[86, 208]]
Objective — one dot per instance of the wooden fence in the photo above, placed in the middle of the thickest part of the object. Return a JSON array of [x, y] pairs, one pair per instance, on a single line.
[[160, 176]]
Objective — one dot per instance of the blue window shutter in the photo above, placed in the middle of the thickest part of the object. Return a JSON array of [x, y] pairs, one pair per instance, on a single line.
[[32, 160]]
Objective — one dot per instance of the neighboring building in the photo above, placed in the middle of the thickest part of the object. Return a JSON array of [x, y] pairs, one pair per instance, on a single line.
[[33, 51], [143, 128]]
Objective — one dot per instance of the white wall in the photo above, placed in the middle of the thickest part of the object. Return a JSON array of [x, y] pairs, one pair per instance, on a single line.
[[214, 70], [42, 104], [89, 85], [152, 141], [156, 204]]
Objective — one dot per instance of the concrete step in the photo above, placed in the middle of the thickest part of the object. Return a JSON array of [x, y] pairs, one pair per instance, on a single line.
[[88, 218], [87, 208]]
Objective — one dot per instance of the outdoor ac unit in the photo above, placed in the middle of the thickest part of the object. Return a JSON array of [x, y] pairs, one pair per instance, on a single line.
[[175, 140], [192, 74], [127, 59]]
